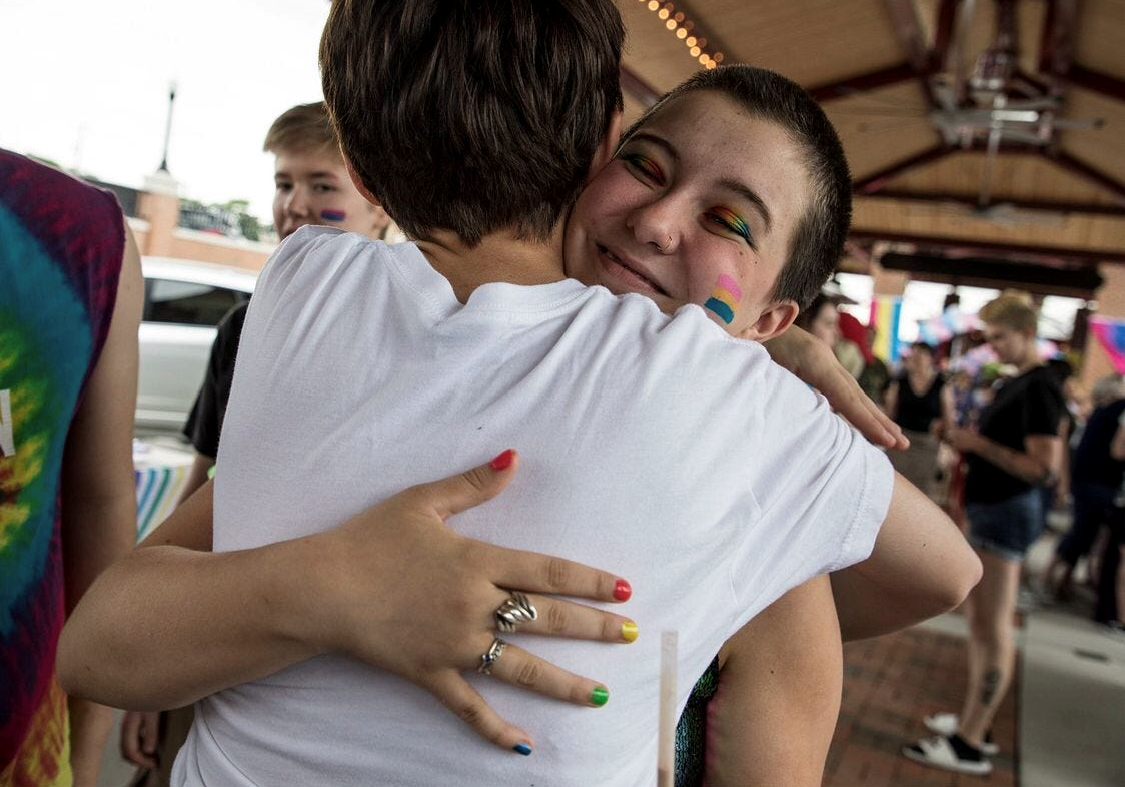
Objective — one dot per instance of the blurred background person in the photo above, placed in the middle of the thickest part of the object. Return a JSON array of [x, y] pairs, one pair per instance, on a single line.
[[1095, 478], [1015, 451], [70, 307], [919, 401]]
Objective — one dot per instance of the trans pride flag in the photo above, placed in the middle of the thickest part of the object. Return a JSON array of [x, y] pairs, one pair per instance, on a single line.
[[1111, 335]]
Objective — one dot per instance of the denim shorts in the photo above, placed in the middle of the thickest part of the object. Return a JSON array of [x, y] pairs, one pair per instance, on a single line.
[[1007, 528]]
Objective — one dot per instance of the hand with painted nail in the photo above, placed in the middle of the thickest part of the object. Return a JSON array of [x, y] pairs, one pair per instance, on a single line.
[[813, 361], [443, 594], [393, 586]]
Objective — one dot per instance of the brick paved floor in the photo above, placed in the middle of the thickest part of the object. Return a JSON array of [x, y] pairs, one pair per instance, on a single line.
[[890, 683]]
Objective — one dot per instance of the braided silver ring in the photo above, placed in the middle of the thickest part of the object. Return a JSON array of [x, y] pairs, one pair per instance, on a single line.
[[489, 658], [515, 610]]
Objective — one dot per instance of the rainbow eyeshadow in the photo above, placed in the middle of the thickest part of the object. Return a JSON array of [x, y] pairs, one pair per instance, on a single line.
[[732, 220], [328, 214], [724, 298]]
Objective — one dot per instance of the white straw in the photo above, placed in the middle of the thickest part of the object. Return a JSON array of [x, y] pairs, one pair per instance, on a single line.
[[666, 746]]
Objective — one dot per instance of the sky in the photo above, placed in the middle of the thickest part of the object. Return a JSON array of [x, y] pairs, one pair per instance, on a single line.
[[85, 84]]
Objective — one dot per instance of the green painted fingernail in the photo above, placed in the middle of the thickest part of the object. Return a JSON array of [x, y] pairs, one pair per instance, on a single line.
[[599, 696]]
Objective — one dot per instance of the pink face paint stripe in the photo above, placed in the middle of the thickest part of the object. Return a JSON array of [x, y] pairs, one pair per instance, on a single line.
[[730, 285]]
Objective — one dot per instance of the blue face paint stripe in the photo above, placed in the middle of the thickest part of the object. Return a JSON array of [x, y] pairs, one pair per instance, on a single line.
[[725, 312]]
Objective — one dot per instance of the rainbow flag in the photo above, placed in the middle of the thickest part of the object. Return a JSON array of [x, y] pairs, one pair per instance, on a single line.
[[886, 311], [1111, 335]]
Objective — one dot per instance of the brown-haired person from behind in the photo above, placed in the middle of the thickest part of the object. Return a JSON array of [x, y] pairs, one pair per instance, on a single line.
[[1015, 451]]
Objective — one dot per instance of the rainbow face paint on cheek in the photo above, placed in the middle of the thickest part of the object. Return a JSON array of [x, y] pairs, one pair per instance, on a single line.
[[724, 298], [331, 214]]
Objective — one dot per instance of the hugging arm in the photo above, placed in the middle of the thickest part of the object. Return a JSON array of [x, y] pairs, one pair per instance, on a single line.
[[98, 497], [813, 361], [169, 624], [921, 566], [772, 719]]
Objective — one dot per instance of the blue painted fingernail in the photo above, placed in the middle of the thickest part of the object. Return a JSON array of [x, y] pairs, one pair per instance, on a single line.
[[522, 748]]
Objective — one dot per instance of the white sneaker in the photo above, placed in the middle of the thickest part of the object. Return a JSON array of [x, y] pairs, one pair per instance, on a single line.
[[946, 724], [938, 752]]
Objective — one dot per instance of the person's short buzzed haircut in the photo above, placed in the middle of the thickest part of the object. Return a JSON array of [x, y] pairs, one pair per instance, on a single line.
[[818, 238], [304, 128], [472, 116]]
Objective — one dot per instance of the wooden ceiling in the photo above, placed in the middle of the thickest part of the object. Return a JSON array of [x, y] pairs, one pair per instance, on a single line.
[[976, 130]]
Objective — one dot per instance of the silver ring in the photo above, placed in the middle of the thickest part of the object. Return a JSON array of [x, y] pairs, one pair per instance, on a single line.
[[515, 610], [489, 659]]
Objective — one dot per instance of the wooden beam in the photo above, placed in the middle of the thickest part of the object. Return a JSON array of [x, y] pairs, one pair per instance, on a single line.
[[1086, 172], [1066, 254], [1079, 282], [872, 80], [636, 87], [1056, 52], [1096, 81], [875, 181], [943, 32], [1070, 208], [908, 28]]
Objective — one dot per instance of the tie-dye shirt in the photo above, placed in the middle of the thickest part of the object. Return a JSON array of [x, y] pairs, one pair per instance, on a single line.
[[61, 244]]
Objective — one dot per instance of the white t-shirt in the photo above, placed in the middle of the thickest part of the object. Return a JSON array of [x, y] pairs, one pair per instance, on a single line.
[[656, 447]]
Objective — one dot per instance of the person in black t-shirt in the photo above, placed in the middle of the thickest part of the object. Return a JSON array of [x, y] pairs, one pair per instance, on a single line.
[[922, 404], [1016, 450]]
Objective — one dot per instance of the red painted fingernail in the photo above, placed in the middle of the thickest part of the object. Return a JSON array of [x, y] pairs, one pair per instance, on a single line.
[[502, 461], [622, 590]]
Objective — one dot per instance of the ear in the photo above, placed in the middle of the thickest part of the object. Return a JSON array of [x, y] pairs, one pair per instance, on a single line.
[[604, 154], [773, 320], [363, 190]]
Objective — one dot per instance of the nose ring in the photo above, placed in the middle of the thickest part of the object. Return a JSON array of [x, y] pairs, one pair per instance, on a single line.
[[664, 249]]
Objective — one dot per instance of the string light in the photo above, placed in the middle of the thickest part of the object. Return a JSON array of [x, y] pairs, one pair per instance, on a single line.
[[678, 23]]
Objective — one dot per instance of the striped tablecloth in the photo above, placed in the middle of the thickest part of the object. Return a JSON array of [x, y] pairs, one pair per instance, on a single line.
[[160, 472]]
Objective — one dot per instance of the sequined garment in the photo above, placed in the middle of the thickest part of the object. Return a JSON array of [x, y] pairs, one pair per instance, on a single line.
[[691, 732]]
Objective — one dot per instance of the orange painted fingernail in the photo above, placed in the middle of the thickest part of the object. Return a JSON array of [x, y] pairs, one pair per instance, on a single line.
[[629, 631], [503, 461]]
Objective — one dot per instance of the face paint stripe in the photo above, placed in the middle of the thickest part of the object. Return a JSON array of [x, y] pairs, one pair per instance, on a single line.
[[725, 297], [730, 285], [329, 214], [725, 312]]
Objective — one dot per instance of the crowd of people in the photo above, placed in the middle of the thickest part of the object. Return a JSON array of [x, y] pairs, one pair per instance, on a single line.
[[594, 308]]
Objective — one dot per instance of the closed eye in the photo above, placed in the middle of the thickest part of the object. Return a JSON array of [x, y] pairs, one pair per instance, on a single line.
[[731, 222], [644, 166]]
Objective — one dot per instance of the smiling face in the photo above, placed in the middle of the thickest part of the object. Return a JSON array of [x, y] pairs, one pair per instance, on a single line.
[[313, 187], [699, 206]]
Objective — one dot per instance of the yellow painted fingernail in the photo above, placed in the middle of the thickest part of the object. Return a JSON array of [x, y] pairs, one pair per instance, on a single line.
[[629, 631]]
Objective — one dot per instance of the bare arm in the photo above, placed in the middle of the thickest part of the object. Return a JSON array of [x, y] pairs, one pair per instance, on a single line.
[[921, 567], [813, 361], [1038, 463], [98, 494], [1117, 444], [772, 720], [167, 624], [201, 465], [890, 398]]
